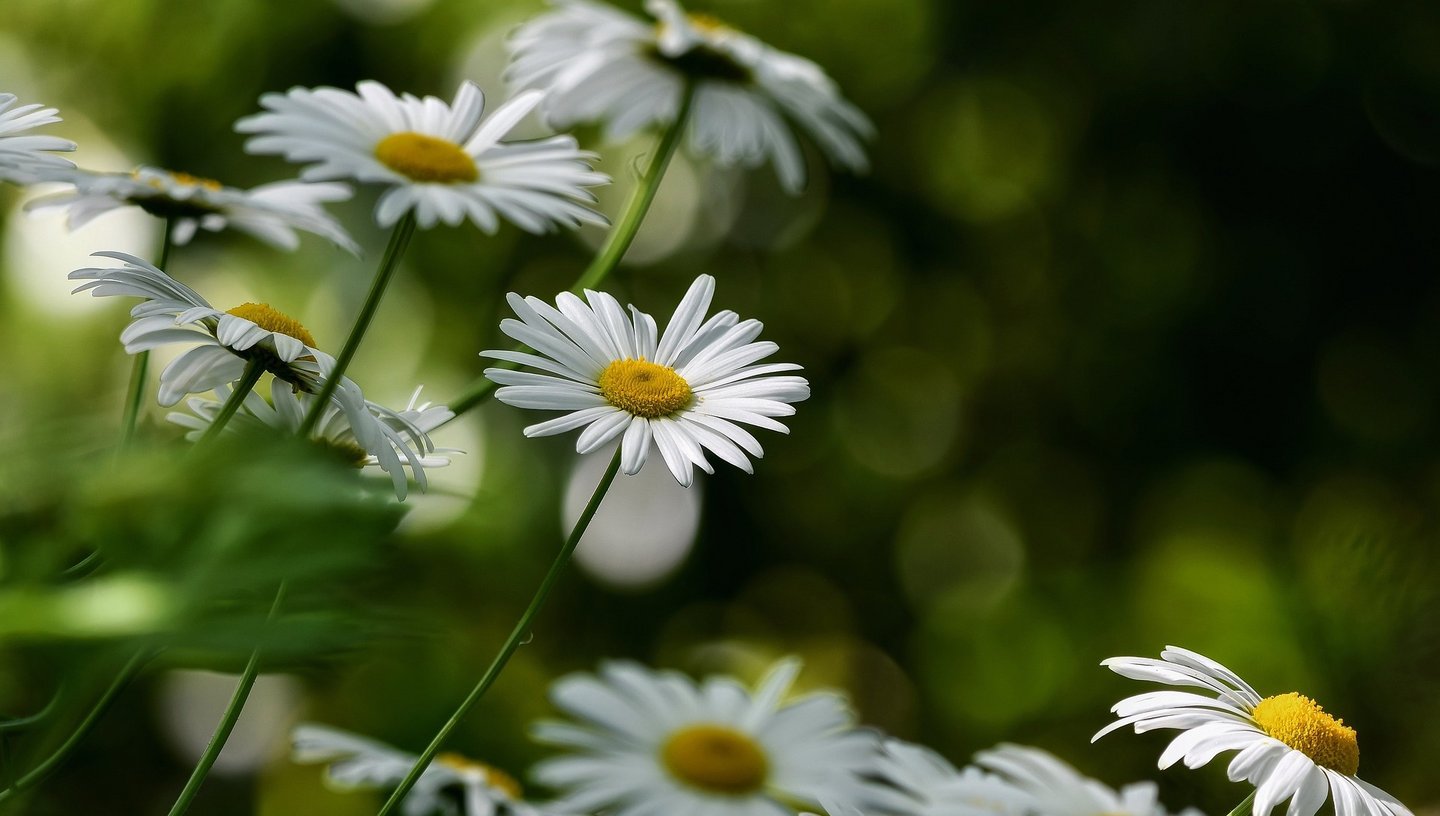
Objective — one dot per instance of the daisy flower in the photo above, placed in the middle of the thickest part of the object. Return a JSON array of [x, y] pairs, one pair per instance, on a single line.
[[270, 212], [21, 152], [1056, 789], [406, 433], [685, 392], [1289, 747], [441, 162], [660, 743], [597, 63], [355, 762], [920, 782]]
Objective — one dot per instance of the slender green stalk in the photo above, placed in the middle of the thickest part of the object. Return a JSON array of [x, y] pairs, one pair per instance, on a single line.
[[141, 367], [399, 240], [50, 763], [616, 244], [21, 723], [227, 722], [517, 636], [251, 375], [1245, 806]]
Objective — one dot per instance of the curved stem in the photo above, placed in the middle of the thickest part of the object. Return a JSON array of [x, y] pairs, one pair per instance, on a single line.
[[227, 722], [251, 375], [140, 368], [616, 243], [1245, 806], [517, 636], [50, 763], [399, 240], [21, 723]]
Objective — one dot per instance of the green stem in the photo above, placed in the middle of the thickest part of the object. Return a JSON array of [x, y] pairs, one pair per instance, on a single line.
[[227, 722], [1245, 806], [517, 635], [50, 763], [399, 240], [21, 723], [140, 368], [251, 375], [616, 244]]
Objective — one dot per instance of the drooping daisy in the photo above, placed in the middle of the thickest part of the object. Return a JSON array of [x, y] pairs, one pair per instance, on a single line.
[[920, 782], [660, 743], [597, 63], [355, 762], [1056, 789], [270, 212], [22, 152], [685, 392], [405, 433], [1289, 747], [445, 163]]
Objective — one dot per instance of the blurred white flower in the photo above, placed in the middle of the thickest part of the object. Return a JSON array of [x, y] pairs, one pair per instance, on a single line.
[[21, 152], [1056, 789], [597, 63], [920, 782]]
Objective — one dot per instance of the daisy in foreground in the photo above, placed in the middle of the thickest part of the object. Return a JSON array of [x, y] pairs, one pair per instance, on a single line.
[[355, 762], [659, 743], [597, 63], [270, 212], [406, 433], [22, 152], [1056, 789], [685, 391], [1289, 747], [441, 162]]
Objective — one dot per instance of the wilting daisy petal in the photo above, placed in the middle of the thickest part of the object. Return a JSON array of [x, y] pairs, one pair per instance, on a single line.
[[443, 162], [406, 434], [659, 743], [920, 782], [355, 762], [22, 153], [597, 63], [1056, 789], [686, 392], [1288, 746], [270, 212]]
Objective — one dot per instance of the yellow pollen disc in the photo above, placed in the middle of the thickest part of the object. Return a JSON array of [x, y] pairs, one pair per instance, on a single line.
[[708, 24], [1302, 724], [269, 318], [644, 388], [426, 158], [716, 759], [494, 777]]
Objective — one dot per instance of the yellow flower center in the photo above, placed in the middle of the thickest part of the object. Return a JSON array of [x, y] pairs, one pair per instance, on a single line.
[[716, 759], [269, 318], [426, 158], [1302, 724], [708, 24], [644, 388], [494, 777], [187, 180]]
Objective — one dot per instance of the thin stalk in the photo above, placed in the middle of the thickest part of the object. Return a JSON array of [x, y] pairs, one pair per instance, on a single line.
[[1245, 806], [50, 763], [517, 636], [616, 244], [399, 240], [141, 367], [251, 375], [227, 722], [21, 723]]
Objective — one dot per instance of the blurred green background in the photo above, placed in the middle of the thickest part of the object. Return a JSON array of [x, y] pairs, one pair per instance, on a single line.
[[1130, 338]]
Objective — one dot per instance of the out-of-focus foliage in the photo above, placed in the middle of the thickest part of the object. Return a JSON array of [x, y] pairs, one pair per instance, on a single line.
[[1129, 338]]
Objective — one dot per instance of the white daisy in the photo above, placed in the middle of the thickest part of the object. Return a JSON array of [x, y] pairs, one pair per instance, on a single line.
[[22, 152], [1056, 789], [597, 63], [654, 743], [405, 433], [685, 392], [443, 163], [270, 212], [1289, 748], [356, 762], [920, 782]]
